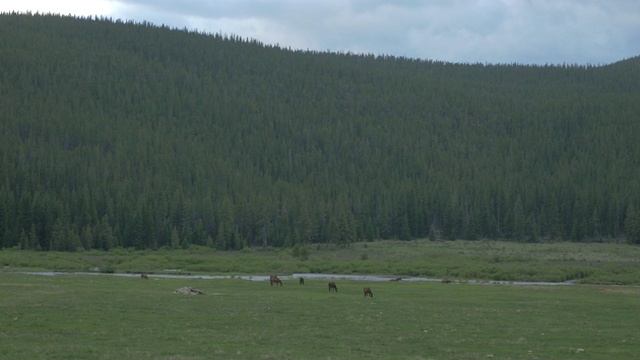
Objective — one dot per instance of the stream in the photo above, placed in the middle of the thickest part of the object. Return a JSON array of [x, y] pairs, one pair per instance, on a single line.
[[307, 276]]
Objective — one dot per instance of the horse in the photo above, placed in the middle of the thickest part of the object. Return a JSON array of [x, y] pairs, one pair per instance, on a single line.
[[144, 276], [367, 292], [332, 285], [301, 281], [273, 279]]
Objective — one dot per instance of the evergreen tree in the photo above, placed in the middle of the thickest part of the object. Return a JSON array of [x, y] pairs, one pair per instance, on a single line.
[[232, 143], [24, 240], [632, 225], [59, 236], [73, 240], [87, 238], [175, 238], [104, 237], [405, 230], [519, 220], [33, 240]]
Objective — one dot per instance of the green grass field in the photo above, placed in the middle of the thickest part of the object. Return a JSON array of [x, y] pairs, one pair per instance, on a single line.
[[103, 317], [593, 263]]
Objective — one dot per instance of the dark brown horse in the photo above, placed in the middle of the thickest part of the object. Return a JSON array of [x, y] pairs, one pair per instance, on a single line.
[[367, 292], [332, 285], [301, 281], [144, 276], [273, 279]]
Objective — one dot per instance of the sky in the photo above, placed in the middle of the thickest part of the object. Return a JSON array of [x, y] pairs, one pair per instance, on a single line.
[[470, 31]]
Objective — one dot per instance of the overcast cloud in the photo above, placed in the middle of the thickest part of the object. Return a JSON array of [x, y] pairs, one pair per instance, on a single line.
[[495, 31]]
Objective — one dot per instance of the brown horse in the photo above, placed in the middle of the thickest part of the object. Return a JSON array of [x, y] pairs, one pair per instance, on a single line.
[[144, 276], [367, 292], [332, 285], [301, 281], [273, 279]]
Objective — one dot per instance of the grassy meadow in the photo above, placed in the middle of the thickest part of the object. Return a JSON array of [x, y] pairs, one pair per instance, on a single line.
[[594, 263], [103, 317]]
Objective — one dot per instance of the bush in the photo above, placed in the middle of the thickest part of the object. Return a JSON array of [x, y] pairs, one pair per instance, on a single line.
[[300, 252], [109, 269]]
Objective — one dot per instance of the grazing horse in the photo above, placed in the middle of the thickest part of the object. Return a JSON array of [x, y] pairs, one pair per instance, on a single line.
[[273, 279], [332, 285], [367, 292], [144, 276], [301, 281]]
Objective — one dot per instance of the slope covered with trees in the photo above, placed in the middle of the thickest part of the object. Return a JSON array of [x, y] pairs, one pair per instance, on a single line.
[[123, 134]]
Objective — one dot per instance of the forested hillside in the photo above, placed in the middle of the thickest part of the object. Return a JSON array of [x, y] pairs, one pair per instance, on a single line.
[[121, 134]]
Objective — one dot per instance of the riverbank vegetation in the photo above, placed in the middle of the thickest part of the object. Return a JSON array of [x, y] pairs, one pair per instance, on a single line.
[[485, 260]]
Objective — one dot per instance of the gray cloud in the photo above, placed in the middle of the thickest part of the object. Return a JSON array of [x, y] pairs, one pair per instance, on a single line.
[[496, 31]]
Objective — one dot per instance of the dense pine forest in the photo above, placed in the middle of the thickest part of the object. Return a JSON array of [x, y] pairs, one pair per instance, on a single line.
[[119, 134]]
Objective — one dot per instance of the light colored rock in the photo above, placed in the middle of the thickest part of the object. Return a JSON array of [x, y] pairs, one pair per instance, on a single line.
[[189, 291]]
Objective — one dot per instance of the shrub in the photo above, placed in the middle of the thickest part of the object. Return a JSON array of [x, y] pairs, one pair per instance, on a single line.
[[300, 252], [109, 269]]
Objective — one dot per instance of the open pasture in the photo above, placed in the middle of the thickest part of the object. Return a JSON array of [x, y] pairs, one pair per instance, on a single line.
[[100, 317]]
